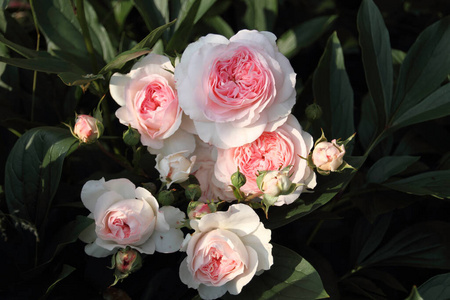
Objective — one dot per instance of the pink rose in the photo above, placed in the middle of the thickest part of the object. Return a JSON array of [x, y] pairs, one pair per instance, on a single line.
[[235, 89], [128, 216], [174, 168], [148, 99], [87, 129], [226, 250], [328, 156], [275, 183], [272, 150]]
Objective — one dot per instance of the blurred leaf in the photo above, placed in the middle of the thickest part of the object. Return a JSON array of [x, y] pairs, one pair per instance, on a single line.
[[303, 35], [33, 170], [154, 12], [4, 4], [436, 105], [434, 183], [367, 127], [122, 9], [422, 245], [120, 60], [425, 67], [150, 40], [382, 277], [26, 52], [377, 58], [364, 288], [437, 287], [389, 166], [290, 277], [333, 92], [260, 14], [219, 25], [414, 295], [326, 189], [398, 56], [70, 78], [58, 22], [205, 5], [42, 64], [184, 26], [66, 271], [373, 235]]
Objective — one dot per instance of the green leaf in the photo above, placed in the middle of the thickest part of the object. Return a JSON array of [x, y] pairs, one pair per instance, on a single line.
[[303, 35], [150, 40], [434, 183], [70, 78], [437, 287], [326, 189], [367, 127], [436, 105], [219, 25], [58, 22], [290, 277], [122, 9], [260, 14], [422, 245], [377, 58], [33, 170], [42, 64], [66, 271], [389, 166], [414, 295], [120, 60], [333, 92], [184, 26], [425, 67], [26, 52], [154, 13]]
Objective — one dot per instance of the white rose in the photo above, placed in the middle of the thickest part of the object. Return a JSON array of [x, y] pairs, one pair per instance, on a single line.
[[174, 167]]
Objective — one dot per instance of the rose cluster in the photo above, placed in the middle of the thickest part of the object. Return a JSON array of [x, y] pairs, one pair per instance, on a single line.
[[223, 115]]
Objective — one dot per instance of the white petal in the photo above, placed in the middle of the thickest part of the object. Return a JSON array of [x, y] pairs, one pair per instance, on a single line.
[[122, 186], [235, 286], [239, 218], [259, 241], [148, 247], [97, 250], [117, 87], [186, 276], [104, 202], [179, 141], [88, 235], [169, 241], [91, 191], [174, 216], [211, 292]]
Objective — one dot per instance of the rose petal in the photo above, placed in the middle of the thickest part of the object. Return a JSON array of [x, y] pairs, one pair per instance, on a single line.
[[173, 216], [122, 186], [169, 241], [259, 241], [88, 235], [117, 85], [100, 249], [186, 276], [211, 292], [91, 191], [235, 286]]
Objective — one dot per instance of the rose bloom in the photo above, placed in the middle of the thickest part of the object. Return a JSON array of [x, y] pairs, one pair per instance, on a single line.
[[86, 128], [128, 216], [328, 156], [148, 99], [226, 250], [275, 182], [235, 89], [174, 167], [272, 150]]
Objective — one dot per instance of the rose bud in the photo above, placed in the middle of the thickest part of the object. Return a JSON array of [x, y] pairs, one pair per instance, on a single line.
[[87, 129], [197, 209], [328, 156], [174, 167], [127, 260], [275, 183]]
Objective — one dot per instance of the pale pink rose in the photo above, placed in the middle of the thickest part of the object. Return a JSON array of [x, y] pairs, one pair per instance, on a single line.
[[174, 168], [226, 250], [128, 216], [148, 99], [87, 128], [235, 89], [328, 156], [271, 151]]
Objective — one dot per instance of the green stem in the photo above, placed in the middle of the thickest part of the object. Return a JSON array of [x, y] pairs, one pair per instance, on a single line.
[[86, 35], [38, 40]]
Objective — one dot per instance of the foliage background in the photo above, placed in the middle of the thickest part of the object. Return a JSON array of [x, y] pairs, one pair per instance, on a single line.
[[383, 230]]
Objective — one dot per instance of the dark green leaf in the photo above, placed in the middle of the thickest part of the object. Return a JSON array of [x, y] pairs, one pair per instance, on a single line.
[[423, 245], [150, 40], [26, 52], [122, 9], [66, 271], [389, 166], [333, 92], [290, 277], [308, 202], [205, 5], [434, 106], [434, 183], [303, 35], [377, 58], [155, 13], [414, 295], [184, 26], [367, 127], [425, 67], [33, 171], [120, 60], [219, 25], [41, 64], [437, 287], [70, 78], [260, 14]]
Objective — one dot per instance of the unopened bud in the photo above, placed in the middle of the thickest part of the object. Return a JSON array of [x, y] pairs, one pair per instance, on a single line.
[[238, 179], [166, 197], [313, 112], [193, 192], [131, 136], [87, 129], [196, 209]]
